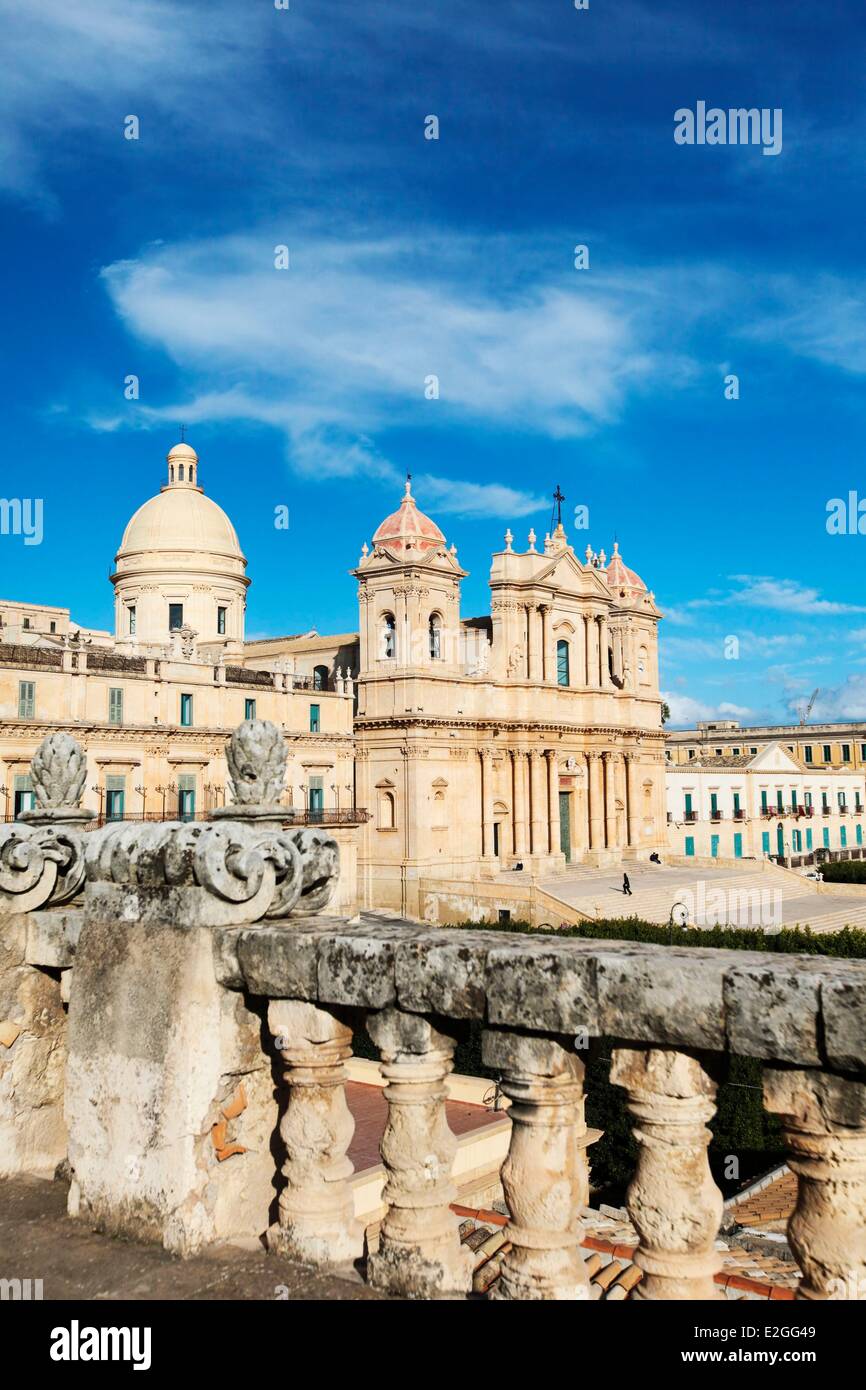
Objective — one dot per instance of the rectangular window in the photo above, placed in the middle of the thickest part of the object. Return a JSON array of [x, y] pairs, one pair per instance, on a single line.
[[808, 839], [779, 801], [826, 753], [221, 621], [807, 753], [714, 804], [763, 801], [825, 804], [175, 616], [797, 839], [688, 803], [738, 846], [115, 705], [840, 796], [316, 798], [863, 752], [562, 672], [754, 752], [186, 796], [765, 842], [858, 833], [843, 836], [736, 752], [794, 797], [690, 845], [714, 846], [826, 838], [808, 796], [53, 627], [314, 719], [130, 620], [115, 796], [186, 710], [24, 795], [26, 699], [736, 802], [249, 709], [857, 801], [846, 752]]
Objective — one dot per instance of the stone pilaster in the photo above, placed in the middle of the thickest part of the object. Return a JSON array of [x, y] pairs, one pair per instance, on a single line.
[[553, 799], [672, 1200], [419, 1255], [545, 1174], [518, 757]]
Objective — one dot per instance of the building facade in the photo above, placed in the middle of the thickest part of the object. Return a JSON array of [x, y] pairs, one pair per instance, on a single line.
[[767, 805], [526, 738], [840, 746]]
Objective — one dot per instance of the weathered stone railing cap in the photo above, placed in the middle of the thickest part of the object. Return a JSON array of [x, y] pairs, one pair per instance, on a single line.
[[796, 1009]]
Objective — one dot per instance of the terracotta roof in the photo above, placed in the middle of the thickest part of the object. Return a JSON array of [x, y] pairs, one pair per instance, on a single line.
[[408, 529]]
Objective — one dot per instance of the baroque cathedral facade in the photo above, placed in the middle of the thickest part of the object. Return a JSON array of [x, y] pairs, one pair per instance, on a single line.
[[443, 750]]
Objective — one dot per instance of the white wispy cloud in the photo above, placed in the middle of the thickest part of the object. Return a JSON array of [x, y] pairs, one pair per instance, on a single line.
[[340, 349], [685, 710]]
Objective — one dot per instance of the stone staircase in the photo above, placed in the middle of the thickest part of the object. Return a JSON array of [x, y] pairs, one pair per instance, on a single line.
[[774, 900]]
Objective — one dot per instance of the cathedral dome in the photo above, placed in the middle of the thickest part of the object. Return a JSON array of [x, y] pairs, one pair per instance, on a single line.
[[408, 529], [620, 577], [180, 517], [179, 564]]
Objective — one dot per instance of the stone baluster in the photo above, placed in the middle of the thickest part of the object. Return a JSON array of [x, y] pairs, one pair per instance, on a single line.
[[672, 1200], [316, 1216], [419, 1255], [545, 1176], [824, 1120]]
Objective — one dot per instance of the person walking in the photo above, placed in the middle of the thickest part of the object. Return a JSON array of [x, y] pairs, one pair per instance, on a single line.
[[626, 886]]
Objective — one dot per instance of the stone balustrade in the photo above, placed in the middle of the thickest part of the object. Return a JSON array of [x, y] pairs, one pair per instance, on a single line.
[[674, 1014], [211, 1016]]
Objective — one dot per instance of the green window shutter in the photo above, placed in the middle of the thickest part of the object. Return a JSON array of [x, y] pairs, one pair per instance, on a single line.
[[562, 664], [115, 706], [314, 719], [26, 699]]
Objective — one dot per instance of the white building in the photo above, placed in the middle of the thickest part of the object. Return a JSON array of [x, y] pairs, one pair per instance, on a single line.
[[749, 806]]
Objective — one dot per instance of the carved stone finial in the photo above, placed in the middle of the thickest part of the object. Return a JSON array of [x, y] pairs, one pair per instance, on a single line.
[[508, 538], [58, 769], [256, 755]]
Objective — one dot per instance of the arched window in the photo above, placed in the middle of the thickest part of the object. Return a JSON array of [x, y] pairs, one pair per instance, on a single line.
[[435, 630], [320, 677], [562, 667], [388, 631], [180, 473], [171, 472]]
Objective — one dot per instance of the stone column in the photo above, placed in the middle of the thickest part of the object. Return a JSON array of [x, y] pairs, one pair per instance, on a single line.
[[553, 800], [518, 757], [596, 801], [603, 673], [672, 1200], [824, 1121], [545, 1176], [316, 1216], [632, 769], [419, 1255], [538, 814], [592, 651], [487, 802], [609, 761]]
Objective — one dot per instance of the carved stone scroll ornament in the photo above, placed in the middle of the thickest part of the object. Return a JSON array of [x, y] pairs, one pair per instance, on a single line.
[[42, 854]]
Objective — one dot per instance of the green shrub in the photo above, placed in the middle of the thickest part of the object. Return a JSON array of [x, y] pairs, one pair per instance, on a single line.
[[845, 871]]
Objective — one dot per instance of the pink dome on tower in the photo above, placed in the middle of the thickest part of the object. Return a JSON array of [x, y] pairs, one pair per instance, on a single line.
[[408, 529], [620, 577]]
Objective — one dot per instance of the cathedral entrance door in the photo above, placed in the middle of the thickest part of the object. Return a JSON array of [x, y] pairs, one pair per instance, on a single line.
[[565, 825]]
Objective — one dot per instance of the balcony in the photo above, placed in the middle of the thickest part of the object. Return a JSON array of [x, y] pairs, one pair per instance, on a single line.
[[740, 815], [825, 810], [717, 816], [690, 817]]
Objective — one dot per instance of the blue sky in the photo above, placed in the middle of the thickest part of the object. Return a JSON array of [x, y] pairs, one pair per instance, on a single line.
[[410, 257]]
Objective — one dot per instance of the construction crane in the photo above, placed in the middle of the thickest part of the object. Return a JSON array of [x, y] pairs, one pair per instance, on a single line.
[[808, 710]]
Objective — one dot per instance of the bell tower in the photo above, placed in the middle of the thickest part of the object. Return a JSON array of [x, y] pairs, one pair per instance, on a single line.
[[409, 597]]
